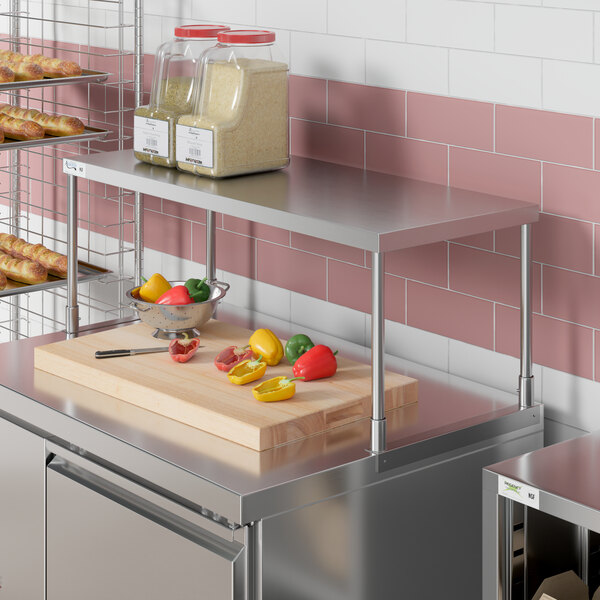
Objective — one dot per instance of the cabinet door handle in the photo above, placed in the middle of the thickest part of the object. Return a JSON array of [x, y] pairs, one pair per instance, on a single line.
[[90, 473]]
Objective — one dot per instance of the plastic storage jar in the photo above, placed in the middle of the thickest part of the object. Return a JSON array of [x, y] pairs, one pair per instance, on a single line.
[[240, 122], [173, 92]]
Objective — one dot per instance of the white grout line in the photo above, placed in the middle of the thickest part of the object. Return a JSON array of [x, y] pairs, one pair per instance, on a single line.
[[494, 327], [494, 128], [541, 290]]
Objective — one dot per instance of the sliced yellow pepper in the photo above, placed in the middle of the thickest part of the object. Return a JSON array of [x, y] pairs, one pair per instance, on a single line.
[[273, 390], [154, 288], [247, 371], [267, 344]]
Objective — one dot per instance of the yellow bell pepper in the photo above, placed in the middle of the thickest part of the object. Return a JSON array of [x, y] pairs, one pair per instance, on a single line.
[[273, 390], [267, 344], [247, 371], [154, 288]]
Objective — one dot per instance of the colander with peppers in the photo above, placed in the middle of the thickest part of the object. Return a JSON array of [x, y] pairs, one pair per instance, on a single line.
[[177, 320]]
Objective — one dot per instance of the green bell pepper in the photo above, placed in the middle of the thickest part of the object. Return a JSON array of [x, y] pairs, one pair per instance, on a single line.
[[198, 289], [296, 346]]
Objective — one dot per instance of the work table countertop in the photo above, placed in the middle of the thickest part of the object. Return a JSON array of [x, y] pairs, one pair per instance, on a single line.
[[243, 483]]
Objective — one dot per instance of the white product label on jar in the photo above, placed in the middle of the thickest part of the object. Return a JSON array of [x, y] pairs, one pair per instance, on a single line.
[[194, 146], [151, 136], [516, 490]]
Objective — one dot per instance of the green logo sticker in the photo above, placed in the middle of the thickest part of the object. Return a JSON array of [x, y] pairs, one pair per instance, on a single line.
[[511, 487]]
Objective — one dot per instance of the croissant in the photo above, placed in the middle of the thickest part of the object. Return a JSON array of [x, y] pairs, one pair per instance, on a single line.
[[23, 270], [57, 125], [53, 262]]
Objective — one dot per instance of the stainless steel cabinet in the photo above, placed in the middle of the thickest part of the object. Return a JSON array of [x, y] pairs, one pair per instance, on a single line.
[[22, 472], [108, 537]]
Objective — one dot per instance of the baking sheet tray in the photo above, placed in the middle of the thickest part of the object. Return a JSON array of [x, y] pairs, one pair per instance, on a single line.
[[90, 133], [86, 272], [86, 76]]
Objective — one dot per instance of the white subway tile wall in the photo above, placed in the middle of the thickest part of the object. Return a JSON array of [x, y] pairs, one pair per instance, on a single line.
[[405, 44], [407, 66], [545, 32], [508, 79], [450, 23]]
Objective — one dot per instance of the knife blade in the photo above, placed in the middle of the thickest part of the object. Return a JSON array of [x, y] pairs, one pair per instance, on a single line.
[[129, 352]]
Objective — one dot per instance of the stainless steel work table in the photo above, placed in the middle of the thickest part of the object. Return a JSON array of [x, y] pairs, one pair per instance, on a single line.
[[230, 485], [366, 491], [560, 481], [245, 484]]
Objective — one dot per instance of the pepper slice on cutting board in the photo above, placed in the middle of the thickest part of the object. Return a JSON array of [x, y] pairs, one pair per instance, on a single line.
[[247, 371], [266, 343], [182, 350], [273, 390], [231, 356], [154, 288], [296, 346], [198, 289], [317, 363]]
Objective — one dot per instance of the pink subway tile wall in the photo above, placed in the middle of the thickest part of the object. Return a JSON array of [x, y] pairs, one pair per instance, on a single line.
[[548, 136], [557, 344], [370, 108], [496, 174], [451, 314], [466, 289], [451, 121]]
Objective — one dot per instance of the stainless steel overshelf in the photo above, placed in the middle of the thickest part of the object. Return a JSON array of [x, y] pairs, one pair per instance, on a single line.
[[86, 76], [86, 272], [364, 209], [89, 133], [451, 414]]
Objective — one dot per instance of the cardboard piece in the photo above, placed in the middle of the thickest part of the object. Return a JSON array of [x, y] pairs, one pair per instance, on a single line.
[[565, 586]]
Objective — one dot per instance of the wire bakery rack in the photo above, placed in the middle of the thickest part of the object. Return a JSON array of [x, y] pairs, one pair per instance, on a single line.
[[105, 40]]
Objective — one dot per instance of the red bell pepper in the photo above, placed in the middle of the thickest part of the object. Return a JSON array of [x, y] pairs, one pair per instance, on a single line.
[[177, 295], [316, 363], [231, 356], [182, 350]]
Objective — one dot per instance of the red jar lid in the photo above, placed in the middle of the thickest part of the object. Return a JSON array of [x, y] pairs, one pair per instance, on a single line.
[[246, 36], [199, 31]]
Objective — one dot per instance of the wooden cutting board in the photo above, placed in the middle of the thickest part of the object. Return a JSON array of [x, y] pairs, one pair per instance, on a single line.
[[198, 394]]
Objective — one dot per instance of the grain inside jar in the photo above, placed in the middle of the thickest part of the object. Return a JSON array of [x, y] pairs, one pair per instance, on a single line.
[[174, 85], [175, 99], [241, 121]]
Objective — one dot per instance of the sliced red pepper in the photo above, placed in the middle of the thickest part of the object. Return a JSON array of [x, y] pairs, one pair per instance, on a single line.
[[182, 350], [231, 356], [177, 295], [316, 363]]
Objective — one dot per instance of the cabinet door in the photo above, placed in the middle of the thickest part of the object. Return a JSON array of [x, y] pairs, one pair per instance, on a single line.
[[22, 472], [105, 542]]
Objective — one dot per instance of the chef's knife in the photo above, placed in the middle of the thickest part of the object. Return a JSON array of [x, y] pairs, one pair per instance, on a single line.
[[131, 352]]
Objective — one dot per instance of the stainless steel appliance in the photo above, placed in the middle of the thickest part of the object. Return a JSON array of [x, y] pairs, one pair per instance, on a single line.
[[108, 536]]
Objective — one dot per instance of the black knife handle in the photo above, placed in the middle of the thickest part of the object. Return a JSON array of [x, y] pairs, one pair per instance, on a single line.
[[112, 353]]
